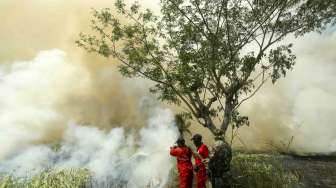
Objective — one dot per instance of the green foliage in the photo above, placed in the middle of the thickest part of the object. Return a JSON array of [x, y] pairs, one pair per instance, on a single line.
[[261, 171], [181, 123], [55, 146], [210, 56]]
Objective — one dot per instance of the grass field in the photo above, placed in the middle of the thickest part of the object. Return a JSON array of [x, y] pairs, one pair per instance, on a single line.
[[261, 171], [70, 178], [249, 171]]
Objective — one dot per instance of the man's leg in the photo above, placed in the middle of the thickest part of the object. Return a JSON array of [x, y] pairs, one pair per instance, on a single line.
[[186, 179], [201, 178], [190, 179]]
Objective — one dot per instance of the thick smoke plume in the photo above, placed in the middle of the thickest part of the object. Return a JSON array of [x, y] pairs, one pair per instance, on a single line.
[[39, 97], [298, 112], [30, 93], [114, 156], [34, 101]]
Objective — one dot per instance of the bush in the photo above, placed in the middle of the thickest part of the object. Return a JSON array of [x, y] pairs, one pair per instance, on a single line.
[[260, 171]]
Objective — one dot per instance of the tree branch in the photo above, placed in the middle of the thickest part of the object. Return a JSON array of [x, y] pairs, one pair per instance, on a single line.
[[202, 16], [189, 19]]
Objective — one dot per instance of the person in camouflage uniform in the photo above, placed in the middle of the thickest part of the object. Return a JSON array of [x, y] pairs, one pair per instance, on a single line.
[[219, 164]]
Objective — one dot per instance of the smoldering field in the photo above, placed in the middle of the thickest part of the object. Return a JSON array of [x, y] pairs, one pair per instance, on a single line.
[[112, 125]]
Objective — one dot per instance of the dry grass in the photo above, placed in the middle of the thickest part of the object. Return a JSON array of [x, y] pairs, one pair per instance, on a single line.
[[249, 171], [71, 178], [260, 171]]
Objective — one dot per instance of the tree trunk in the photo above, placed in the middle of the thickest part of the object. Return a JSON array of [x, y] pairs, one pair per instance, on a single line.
[[227, 115], [220, 160]]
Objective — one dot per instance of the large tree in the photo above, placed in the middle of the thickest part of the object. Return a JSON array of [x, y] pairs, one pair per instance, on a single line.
[[206, 56]]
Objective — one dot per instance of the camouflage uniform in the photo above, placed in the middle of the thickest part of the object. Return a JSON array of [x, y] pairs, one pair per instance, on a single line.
[[219, 165]]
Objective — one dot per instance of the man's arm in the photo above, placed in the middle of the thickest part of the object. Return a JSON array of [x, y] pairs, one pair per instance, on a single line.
[[204, 152], [175, 151], [195, 154]]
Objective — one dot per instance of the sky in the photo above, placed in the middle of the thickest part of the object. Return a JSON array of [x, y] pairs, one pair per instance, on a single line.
[[301, 106]]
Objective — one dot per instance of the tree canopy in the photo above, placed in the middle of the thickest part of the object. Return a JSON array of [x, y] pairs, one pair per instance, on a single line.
[[207, 56]]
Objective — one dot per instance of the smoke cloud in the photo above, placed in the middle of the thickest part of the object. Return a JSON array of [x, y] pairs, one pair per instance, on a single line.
[[103, 122], [114, 156], [39, 100], [30, 92], [39, 97], [78, 99], [298, 110]]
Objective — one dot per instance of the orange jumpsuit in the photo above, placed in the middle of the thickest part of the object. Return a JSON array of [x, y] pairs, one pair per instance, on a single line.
[[201, 173], [184, 165]]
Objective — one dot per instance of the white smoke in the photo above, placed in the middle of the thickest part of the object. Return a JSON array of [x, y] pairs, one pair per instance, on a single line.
[[31, 92], [313, 91], [114, 155], [301, 105], [299, 110]]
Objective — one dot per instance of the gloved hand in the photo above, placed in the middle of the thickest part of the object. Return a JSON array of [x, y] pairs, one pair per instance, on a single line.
[[205, 161]]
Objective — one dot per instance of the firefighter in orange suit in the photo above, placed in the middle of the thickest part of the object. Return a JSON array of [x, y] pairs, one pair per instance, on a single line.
[[200, 157], [184, 165]]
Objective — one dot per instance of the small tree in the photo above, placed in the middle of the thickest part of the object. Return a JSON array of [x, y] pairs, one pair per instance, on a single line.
[[210, 56]]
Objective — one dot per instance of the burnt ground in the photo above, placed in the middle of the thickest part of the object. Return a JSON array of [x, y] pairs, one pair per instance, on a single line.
[[313, 171]]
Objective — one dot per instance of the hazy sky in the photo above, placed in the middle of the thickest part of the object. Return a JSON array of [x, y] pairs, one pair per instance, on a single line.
[[29, 26], [302, 105]]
